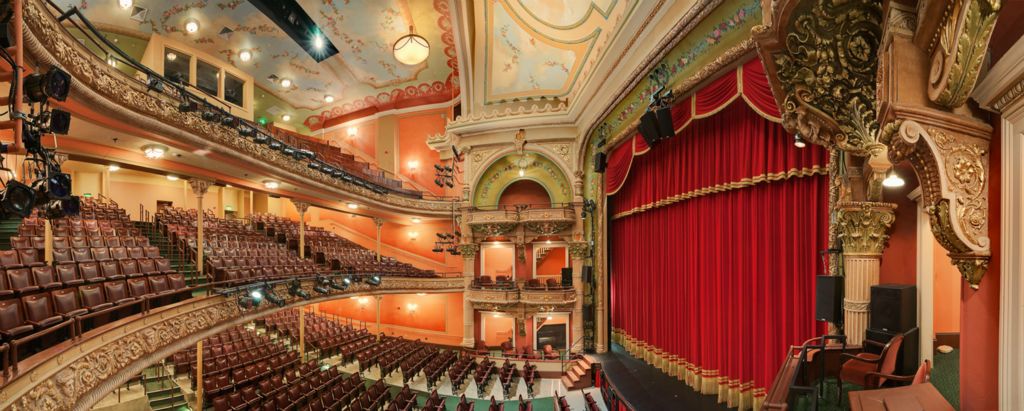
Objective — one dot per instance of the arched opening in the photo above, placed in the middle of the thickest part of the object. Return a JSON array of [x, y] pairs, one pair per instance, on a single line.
[[525, 192]]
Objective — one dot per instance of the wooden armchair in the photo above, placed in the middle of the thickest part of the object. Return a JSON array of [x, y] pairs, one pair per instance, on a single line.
[[923, 375], [856, 368]]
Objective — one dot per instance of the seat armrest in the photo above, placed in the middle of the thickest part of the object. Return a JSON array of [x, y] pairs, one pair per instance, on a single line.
[[100, 307], [75, 313], [861, 359], [42, 333], [16, 331], [45, 322], [75, 282], [29, 289]]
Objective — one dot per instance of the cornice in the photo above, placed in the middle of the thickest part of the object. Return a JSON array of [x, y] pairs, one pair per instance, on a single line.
[[119, 96], [1003, 85]]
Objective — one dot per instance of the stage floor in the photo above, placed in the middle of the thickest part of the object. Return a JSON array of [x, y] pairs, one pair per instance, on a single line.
[[646, 388]]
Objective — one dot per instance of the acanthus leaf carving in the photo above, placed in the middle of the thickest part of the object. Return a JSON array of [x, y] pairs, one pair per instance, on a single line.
[[958, 50]]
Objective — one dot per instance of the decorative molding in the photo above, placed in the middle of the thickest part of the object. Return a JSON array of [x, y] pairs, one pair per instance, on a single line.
[[579, 250], [522, 111], [199, 186], [958, 50], [115, 94], [300, 206], [80, 373], [864, 227], [468, 251]]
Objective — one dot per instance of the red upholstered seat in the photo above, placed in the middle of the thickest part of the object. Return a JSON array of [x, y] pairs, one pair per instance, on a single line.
[[45, 277], [39, 311], [12, 321], [93, 297], [856, 368], [65, 301], [20, 280]]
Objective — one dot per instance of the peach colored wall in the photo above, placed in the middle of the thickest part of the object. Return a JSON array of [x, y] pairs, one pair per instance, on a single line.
[[364, 141], [498, 260], [130, 188], [899, 260], [413, 131], [552, 263], [497, 330], [524, 192], [979, 312], [396, 234], [947, 292]]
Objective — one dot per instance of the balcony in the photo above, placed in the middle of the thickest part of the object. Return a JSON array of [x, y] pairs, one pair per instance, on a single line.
[[545, 220], [510, 294]]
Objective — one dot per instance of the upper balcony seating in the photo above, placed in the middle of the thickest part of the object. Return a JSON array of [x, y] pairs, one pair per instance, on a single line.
[[102, 270], [328, 336], [335, 251]]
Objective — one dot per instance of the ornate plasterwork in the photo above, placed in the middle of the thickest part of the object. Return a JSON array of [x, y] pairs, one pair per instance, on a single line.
[[510, 300], [509, 112], [85, 371], [953, 171], [199, 186], [115, 94], [493, 229], [579, 250], [864, 227], [532, 165], [958, 49], [547, 228], [468, 251], [825, 61]]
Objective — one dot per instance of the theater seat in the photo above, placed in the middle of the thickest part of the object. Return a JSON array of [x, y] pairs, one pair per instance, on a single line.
[[29, 257], [138, 288], [45, 278], [110, 270], [5, 289], [20, 280], [93, 298], [117, 292], [39, 311], [65, 301], [68, 274], [12, 322]]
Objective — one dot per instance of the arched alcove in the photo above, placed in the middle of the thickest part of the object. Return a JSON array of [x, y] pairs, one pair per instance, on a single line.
[[525, 191], [514, 168]]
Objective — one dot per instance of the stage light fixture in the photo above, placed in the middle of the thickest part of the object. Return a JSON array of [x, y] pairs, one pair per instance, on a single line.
[[60, 121], [275, 145], [373, 280], [269, 294], [261, 139], [58, 186], [17, 199], [288, 151], [188, 106], [229, 121], [55, 84], [307, 153], [313, 165], [209, 115], [295, 290], [154, 83], [246, 131], [321, 287], [257, 295], [336, 285], [798, 141]]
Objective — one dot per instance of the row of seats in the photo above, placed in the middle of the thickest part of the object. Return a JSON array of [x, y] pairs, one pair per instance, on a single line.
[[327, 336]]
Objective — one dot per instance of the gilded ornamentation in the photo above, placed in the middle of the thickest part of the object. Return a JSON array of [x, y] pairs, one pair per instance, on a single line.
[[826, 69], [958, 51], [864, 227], [111, 91], [579, 250], [199, 186], [548, 227], [300, 206], [468, 251], [493, 229], [952, 170]]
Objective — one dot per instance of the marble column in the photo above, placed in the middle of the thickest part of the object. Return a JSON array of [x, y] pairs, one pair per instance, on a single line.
[[468, 252], [199, 188], [301, 207], [864, 231]]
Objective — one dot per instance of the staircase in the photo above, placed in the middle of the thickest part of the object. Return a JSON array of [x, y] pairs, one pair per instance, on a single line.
[[162, 392], [179, 261], [8, 229], [577, 374]]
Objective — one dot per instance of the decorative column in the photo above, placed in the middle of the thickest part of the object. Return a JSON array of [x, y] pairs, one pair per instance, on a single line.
[[48, 241], [578, 251], [468, 252], [199, 188], [301, 207], [378, 298], [302, 334], [863, 230], [380, 223]]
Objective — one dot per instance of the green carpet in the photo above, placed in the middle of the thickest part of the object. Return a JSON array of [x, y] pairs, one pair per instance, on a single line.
[[539, 404], [946, 376]]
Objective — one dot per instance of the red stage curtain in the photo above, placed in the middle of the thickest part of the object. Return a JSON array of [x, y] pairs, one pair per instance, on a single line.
[[714, 247], [747, 81]]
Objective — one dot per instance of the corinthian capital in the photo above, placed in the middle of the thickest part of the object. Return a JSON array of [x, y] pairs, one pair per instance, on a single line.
[[468, 250], [199, 186], [864, 226], [300, 206]]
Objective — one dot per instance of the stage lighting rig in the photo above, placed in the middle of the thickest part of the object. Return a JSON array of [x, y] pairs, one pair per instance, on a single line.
[[268, 293], [656, 123], [55, 84], [295, 289], [321, 285], [444, 176], [373, 280]]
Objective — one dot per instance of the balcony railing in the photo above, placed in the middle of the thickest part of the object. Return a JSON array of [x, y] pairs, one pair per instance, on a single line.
[[543, 219], [511, 293]]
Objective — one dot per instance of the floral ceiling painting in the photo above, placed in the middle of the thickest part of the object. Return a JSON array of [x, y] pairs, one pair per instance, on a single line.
[[363, 74], [541, 48]]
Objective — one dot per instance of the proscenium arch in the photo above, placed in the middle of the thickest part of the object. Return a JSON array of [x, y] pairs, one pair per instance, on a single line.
[[505, 170]]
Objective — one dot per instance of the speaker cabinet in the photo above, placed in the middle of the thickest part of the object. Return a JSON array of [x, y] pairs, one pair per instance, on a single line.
[[908, 358], [649, 128], [829, 298], [567, 277], [665, 127], [600, 162], [588, 274], [893, 308]]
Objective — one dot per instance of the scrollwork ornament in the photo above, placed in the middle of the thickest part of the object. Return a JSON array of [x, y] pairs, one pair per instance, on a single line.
[[579, 250], [864, 227], [958, 52], [468, 251]]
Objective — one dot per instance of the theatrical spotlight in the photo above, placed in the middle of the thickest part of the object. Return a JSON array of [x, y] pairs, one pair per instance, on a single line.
[[373, 280], [188, 106], [59, 121], [154, 83], [69, 207], [209, 115], [275, 145], [313, 165], [229, 121], [343, 285], [55, 84], [295, 289], [17, 199], [261, 139], [246, 130], [321, 285], [268, 293]]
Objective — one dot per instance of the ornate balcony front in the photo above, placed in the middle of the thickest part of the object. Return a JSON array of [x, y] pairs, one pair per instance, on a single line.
[[501, 220], [531, 300]]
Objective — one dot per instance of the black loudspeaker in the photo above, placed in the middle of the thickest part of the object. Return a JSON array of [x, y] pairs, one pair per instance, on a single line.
[[893, 308], [600, 162], [665, 127], [588, 314], [829, 298], [588, 274], [567, 277], [649, 128], [908, 358]]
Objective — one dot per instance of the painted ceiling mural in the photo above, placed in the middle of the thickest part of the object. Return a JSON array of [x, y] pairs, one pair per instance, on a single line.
[[540, 48], [363, 74]]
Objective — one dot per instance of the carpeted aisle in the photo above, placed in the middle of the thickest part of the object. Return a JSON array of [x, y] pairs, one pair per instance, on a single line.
[[946, 376]]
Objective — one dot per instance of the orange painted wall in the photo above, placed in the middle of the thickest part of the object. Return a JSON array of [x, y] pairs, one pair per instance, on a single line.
[[437, 317], [979, 312], [524, 192], [552, 263], [947, 292], [497, 330], [413, 131], [899, 260], [498, 261], [365, 139]]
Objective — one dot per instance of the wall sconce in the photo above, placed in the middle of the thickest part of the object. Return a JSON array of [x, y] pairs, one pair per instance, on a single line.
[[411, 307], [352, 131], [413, 235], [413, 165], [362, 300]]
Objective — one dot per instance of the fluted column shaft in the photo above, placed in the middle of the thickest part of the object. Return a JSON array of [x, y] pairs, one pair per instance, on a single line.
[[864, 231], [468, 252]]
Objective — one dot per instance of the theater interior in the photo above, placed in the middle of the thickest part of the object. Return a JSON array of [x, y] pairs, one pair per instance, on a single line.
[[586, 205]]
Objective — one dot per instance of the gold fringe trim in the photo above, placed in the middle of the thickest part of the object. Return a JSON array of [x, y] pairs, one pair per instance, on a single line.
[[733, 392], [719, 188]]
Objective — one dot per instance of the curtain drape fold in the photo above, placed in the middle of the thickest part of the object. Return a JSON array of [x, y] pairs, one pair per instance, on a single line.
[[714, 244]]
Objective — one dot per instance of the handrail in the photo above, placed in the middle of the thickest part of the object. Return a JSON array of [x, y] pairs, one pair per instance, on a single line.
[[518, 207]]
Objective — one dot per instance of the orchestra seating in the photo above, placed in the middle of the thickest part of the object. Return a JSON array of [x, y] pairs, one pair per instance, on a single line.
[[233, 251], [102, 270], [334, 251], [327, 336]]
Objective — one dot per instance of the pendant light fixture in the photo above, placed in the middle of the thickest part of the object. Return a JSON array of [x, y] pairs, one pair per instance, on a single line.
[[411, 49]]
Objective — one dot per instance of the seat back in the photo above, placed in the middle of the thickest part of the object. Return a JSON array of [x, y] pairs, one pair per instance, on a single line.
[[65, 300], [137, 287], [10, 314], [19, 278], [924, 373], [44, 275], [889, 354], [67, 273], [38, 307], [9, 258], [81, 254], [89, 270], [29, 256], [158, 283], [109, 268], [92, 295], [128, 267], [62, 255], [115, 290]]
